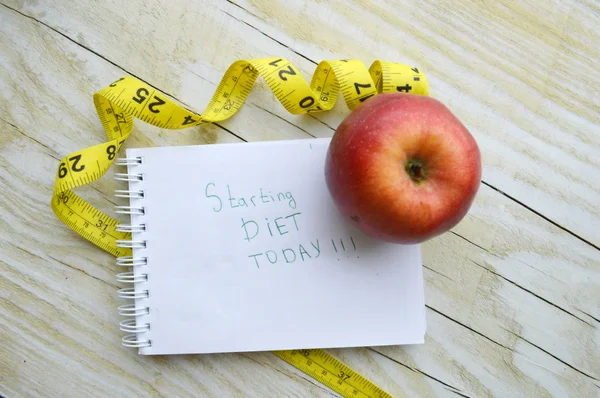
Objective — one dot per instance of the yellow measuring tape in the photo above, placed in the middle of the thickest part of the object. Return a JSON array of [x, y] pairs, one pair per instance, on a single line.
[[121, 101], [331, 372]]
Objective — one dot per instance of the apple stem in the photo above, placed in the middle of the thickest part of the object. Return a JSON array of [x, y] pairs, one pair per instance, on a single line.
[[415, 170]]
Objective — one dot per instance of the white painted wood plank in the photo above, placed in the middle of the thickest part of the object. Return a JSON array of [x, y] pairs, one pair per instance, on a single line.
[[521, 76], [59, 331], [232, 32], [554, 262], [58, 321], [476, 367], [534, 113]]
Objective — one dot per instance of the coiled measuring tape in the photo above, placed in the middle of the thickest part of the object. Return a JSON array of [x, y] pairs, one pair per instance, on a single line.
[[121, 101]]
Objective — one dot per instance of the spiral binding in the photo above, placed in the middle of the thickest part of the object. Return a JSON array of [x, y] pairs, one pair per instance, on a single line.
[[130, 261], [130, 210], [130, 228], [135, 325], [129, 177], [123, 193], [128, 161]]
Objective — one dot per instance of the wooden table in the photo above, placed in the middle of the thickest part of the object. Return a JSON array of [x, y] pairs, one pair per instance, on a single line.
[[512, 293]]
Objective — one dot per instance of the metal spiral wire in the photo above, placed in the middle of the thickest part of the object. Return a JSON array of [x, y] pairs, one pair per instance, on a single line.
[[136, 277]]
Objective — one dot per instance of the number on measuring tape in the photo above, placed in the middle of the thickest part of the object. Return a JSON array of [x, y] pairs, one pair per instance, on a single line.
[[358, 86], [111, 150], [141, 95], [153, 106], [188, 120], [114, 84], [288, 71], [62, 170], [76, 167], [306, 102]]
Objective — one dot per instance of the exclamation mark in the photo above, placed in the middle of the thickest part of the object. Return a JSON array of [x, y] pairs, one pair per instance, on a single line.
[[353, 245]]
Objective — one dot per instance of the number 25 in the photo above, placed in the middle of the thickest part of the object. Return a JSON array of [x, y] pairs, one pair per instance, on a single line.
[[142, 94]]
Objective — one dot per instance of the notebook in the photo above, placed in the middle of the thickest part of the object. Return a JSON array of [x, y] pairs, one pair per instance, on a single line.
[[239, 247]]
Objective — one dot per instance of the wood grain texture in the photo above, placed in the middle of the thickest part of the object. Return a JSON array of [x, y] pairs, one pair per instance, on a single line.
[[521, 75], [512, 298]]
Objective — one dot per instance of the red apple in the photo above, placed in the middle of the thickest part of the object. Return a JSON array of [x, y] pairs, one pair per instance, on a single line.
[[403, 168]]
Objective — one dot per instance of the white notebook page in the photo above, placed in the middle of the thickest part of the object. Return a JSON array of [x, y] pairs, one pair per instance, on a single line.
[[246, 252]]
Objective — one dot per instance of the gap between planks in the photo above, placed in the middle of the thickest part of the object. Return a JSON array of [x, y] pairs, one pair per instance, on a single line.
[[301, 129], [242, 139], [173, 97], [483, 182]]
